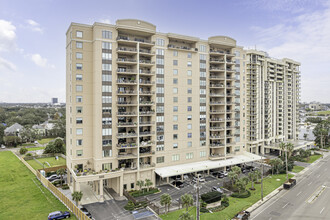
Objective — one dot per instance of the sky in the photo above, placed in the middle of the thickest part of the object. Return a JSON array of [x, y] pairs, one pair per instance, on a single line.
[[32, 36]]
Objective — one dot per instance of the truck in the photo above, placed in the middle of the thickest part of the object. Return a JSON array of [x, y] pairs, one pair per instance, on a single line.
[[291, 183]]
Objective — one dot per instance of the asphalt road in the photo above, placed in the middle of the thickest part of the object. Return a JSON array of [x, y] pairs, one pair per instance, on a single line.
[[309, 199]]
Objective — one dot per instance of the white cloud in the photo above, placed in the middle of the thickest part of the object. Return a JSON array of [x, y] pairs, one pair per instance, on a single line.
[[40, 61], [33, 25], [7, 36], [107, 21], [305, 38], [6, 65]]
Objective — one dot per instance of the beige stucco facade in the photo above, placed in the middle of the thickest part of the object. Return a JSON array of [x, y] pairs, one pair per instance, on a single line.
[[138, 100]]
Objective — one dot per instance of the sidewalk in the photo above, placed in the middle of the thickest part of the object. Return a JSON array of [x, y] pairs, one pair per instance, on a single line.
[[279, 189]]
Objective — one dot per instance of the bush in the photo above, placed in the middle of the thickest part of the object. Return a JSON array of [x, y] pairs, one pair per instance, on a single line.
[[129, 206], [137, 193], [29, 154], [204, 210], [211, 197], [23, 150], [245, 194], [65, 187], [48, 174], [225, 201]]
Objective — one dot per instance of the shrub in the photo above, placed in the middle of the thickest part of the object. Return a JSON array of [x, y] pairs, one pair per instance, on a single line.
[[211, 197], [23, 150], [225, 201], [65, 187], [245, 194], [48, 174], [29, 154], [204, 210], [129, 206]]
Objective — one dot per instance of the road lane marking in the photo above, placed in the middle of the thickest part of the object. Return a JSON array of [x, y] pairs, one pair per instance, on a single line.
[[298, 193], [309, 183], [316, 194], [322, 210], [285, 205]]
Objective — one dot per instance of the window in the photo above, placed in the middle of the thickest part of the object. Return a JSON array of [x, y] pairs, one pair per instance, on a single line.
[[189, 55], [160, 42], [160, 128], [106, 121], [175, 90], [189, 73], [79, 110], [106, 45], [160, 109], [189, 117], [106, 66], [106, 166], [175, 157], [189, 108], [202, 153], [160, 90], [175, 62], [79, 120], [175, 118], [160, 118], [175, 145], [175, 53], [202, 48], [175, 99], [202, 74], [106, 131], [106, 78], [175, 108], [79, 34], [160, 61], [106, 88], [107, 34], [160, 137], [160, 99], [160, 52], [175, 72], [132, 185], [79, 153], [202, 108], [189, 90], [189, 99], [106, 99], [189, 156], [79, 88], [160, 71], [79, 98], [79, 131], [175, 136], [160, 159], [202, 56], [79, 142], [160, 147], [202, 100], [79, 55], [175, 127], [189, 81], [160, 80], [79, 66], [175, 81], [189, 126], [106, 56], [79, 77], [202, 65], [189, 135], [189, 63], [202, 91], [189, 144], [79, 45]]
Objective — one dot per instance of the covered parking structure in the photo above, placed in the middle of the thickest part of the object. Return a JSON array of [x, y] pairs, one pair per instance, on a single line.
[[297, 144], [169, 171]]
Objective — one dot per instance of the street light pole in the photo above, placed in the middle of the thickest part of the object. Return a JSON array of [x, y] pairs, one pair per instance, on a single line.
[[286, 162], [197, 199], [262, 176]]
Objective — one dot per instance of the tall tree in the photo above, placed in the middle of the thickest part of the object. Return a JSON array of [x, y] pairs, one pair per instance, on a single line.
[[61, 172], [148, 183], [166, 201], [187, 201], [77, 196], [186, 216]]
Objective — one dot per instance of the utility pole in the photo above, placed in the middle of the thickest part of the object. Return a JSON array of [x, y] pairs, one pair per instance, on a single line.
[[286, 162], [262, 176], [197, 198]]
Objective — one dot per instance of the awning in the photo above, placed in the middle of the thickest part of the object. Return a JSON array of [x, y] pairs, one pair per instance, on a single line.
[[245, 157]]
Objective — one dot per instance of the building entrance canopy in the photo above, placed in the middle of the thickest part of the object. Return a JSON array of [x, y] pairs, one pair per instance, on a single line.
[[245, 157]]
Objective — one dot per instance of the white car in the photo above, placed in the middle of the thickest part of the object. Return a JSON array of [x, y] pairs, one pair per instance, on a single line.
[[3, 146], [201, 179]]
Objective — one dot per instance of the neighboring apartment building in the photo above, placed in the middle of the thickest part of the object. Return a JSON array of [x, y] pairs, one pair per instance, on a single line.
[[149, 105]]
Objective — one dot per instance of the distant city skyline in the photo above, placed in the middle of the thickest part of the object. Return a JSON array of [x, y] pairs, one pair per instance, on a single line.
[[32, 37]]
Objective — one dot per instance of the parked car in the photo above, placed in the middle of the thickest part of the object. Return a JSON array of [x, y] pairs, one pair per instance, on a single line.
[[178, 184], [218, 189], [200, 179], [243, 215], [224, 173], [185, 177], [86, 212], [54, 178], [3, 146], [58, 215]]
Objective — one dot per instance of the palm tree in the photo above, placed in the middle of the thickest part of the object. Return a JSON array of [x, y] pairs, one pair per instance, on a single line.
[[77, 196], [140, 184], [252, 177], [289, 148], [241, 184], [258, 174], [232, 176], [148, 183], [237, 170], [186, 216], [277, 162], [282, 147], [187, 201], [272, 163], [166, 201], [61, 172]]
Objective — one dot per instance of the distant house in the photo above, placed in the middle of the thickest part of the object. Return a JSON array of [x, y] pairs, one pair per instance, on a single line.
[[13, 130], [43, 128]]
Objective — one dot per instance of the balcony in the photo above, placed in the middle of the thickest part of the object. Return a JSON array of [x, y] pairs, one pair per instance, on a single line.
[[216, 145], [146, 52], [143, 41], [216, 156], [216, 51], [217, 94], [125, 113], [127, 145], [146, 73], [217, 103], [146, 93], [126, 155], [147, 154], [213, 60], [126, 124], [126, 103], [213, 77], [146, 62], [146, 82], [216, 69], [146, 123], [126, 82], [216, 85], [127, 92], [181, 47], [146, 133], [146, 143], [217, 137], [146, 103], [126, 135], [126, 61], [146, 113], [216, 128], [217, 111], [126, 71], [126, 50]]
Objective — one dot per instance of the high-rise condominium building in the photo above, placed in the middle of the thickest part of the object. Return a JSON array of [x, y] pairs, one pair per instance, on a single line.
[[148, 105]]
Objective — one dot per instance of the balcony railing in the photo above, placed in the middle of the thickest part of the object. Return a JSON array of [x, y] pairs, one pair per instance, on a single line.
[[126, 134], [216, 119], [146, 62], [126, 123], [126, 113], [147, 112], [146, 122], [217, 85], [126, 103], [126, 49], [131, 92], [126, 81], [132, 38], [126, 60], [147, 133], [127, 145]]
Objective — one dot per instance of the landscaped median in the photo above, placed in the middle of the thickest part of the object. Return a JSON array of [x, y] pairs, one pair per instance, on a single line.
[[297, 169], [236, 205], [22, 196]]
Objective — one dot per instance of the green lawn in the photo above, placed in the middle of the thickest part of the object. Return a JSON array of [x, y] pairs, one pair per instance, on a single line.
[[22, 196], [45, 140], [26, 145], [237, 204], [313, 158], [297, 169], [35, 148], [50, 160], [323, 113]]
